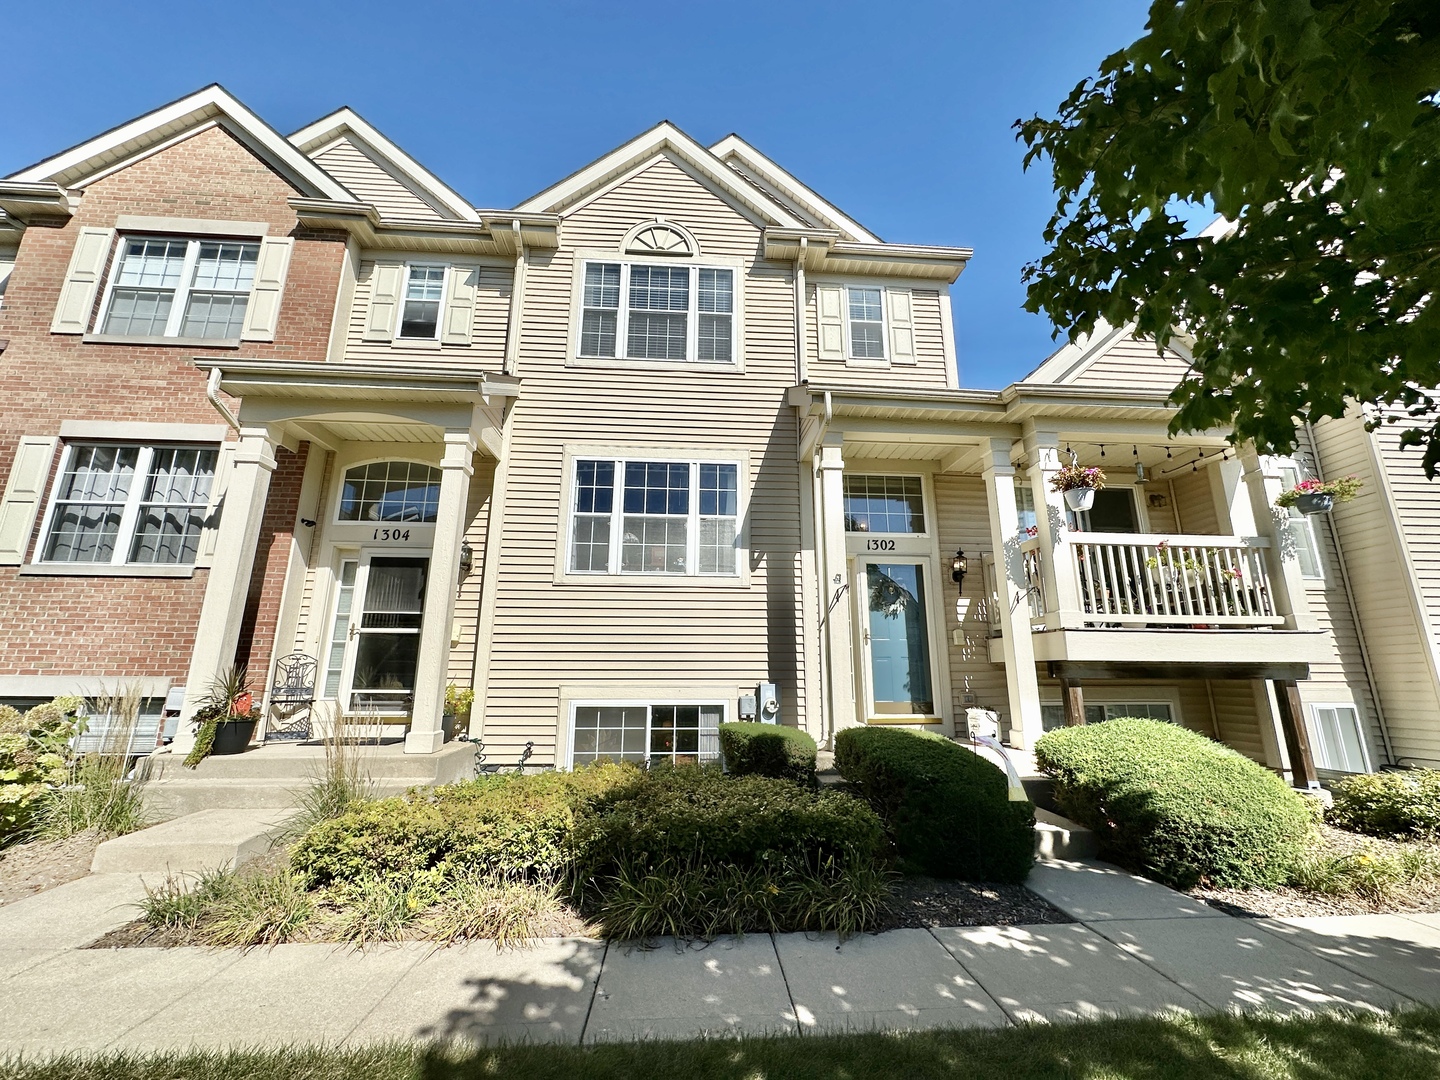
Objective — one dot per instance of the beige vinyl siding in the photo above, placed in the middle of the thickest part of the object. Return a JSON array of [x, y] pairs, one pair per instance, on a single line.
[[1133, 364], [487, 334], [1237, 717], [461, 668], [1395, 620], [931, 366], [964, 522], [306, 613], [370, 181], [1194, 504], [622, 633], [1161, 511]]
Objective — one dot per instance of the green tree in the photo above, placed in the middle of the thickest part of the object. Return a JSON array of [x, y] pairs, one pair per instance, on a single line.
[[1313, 128]]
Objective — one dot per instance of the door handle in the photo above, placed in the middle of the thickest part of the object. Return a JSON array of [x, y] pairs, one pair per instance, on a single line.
[[353, 631]]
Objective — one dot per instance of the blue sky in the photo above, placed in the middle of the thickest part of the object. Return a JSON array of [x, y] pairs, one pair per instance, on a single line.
[[899, 113]]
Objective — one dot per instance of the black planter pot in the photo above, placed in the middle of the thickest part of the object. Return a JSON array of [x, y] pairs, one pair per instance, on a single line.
[[447, 726], [1315, 504], [233, 736]]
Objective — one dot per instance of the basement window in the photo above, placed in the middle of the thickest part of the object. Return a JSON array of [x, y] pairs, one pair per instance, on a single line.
[[680, 733]]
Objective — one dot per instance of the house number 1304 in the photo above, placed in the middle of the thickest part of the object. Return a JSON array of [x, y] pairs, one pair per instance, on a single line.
[[392, 534], [879, 545]]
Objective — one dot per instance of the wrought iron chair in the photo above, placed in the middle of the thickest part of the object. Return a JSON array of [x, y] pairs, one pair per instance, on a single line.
[[293, 693]]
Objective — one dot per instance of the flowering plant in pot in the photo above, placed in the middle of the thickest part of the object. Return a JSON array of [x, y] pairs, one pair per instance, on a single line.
[[1079, 484], [1165, 565], [457, 703], [1320, 496], [227, 717]]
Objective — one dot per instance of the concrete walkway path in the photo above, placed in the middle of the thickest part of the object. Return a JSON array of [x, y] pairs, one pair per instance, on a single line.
[[1138, 948]]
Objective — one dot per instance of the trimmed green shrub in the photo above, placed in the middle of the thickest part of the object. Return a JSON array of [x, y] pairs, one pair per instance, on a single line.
[[1174, 805], [785, 753], [35, 759], [946, 809], [1402, 805]]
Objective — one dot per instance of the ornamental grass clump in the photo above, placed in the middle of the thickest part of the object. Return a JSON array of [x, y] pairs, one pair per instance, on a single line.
[[946, 809], [1173, 805], [1399, 805], [774, 750]]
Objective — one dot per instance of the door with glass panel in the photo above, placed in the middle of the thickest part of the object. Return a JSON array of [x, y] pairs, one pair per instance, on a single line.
[[897, 671], [374, 642]]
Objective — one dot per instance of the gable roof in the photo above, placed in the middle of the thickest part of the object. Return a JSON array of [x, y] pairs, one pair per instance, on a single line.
[[392, 165], [662, 138], [155, 130], [1114, 356], [770, 178]]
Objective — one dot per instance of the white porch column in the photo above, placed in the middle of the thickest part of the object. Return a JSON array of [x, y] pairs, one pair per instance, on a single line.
[[217, 635], [456, 468], [1062, 590], [1264, 484], [1020, 680], [835, 601]]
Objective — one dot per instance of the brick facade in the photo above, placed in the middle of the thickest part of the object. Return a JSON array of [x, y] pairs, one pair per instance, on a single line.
[[81, 625]]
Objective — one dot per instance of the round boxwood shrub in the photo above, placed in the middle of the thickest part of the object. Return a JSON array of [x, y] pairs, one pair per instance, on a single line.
[[946, 809], [784, 753], [1402, 805], [1174, 805]]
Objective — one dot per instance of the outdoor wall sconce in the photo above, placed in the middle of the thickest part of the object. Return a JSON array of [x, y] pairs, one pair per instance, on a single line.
[[467, 558], [309, 523], [958, 566]]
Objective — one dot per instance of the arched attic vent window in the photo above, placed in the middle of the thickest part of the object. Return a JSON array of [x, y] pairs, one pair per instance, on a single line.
[[660, 237]]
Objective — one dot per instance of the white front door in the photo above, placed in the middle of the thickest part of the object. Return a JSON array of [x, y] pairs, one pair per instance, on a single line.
[[895, 629], [375, 635]]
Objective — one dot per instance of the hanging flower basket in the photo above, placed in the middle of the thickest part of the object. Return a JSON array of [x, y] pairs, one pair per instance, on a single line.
[[1079, 484], [1320, 496], [1080, 498]]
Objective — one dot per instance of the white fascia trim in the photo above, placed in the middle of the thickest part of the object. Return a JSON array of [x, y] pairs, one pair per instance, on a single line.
[[663, 136], [204, 105], [788, 186], [313, 138]]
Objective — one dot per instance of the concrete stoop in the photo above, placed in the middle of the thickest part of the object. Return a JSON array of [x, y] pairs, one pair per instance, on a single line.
[[1059, 838], [208, 840]]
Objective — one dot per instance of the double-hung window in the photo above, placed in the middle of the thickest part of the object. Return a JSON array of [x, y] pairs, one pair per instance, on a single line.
[[126, 504], [179, 288], [420, 313], [678, 733], [655, 517], [635, 311], [1300, 527], [866, 310]]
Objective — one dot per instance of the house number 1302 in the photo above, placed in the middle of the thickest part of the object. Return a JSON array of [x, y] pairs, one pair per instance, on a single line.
[[392, 534], [879, 545]]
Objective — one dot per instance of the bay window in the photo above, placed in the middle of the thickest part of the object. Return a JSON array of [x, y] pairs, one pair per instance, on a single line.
[[654, 517], [179, 288], [635, 311]]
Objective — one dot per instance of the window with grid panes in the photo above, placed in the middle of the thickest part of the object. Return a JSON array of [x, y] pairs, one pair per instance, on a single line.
[[655, 517], [679, 733], [1300, 527], [636, 311], [179, 288], [867, 323], [424, 290], [121, 504], [884, 504], [406, 491]]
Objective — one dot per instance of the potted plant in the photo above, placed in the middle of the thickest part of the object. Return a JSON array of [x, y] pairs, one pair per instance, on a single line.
[[227, 717], [1320, 496], [1079, 484], [1163, 565], [457, 703]]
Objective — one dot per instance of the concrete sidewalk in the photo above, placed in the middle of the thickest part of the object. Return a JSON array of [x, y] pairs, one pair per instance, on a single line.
[[1137, 948]]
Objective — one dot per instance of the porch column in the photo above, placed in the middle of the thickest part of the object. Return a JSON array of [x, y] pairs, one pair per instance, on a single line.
[[456, 468], [1074, 696], [1021, 683], [1062, 589], [1264, 484], [834, 599], [217, 634], [1292, 726]]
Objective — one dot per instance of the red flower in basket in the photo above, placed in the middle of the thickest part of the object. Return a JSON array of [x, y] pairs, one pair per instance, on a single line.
[[242, 704]]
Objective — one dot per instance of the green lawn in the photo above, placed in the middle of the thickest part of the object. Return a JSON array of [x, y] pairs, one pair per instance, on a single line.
[[1405, 1045]]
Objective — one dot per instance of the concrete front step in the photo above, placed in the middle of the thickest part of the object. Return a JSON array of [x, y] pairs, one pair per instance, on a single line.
[[1058, 838], [174, 798], [208, 840], [304, 762]]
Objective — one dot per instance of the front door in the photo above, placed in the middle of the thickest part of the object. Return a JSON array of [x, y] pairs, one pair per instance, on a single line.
[[380, 616], [898, 676]]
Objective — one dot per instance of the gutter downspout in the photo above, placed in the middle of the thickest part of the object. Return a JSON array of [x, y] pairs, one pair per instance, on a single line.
[[517, 301], [212, 394]]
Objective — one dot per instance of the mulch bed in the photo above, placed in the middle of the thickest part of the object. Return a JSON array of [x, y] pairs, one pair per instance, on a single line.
[[922, 902], [27, 869]]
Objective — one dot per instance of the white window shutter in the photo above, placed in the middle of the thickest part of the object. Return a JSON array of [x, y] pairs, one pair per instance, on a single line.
[[24, 492], [386, 280], [263, 312], [82, 281], [830, 312], [210, 532], [901, 316], [460, 305]]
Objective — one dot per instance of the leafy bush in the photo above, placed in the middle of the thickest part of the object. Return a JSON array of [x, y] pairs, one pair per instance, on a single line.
[[1402, 805], [35, 759], [1174, 805], [946, 809], [785, 753]]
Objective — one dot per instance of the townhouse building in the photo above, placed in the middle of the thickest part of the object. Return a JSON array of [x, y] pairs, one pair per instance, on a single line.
[[672, 442]]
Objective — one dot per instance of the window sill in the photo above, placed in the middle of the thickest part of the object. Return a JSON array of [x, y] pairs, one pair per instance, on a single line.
[[729, 367], [187, 342], [416, 342], [103, 570]]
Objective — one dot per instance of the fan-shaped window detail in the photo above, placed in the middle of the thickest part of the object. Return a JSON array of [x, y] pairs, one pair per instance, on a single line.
[[391, 491], [660, 238]]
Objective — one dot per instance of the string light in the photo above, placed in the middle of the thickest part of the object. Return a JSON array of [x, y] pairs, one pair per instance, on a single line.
[[1168, 454], [1102, 449]]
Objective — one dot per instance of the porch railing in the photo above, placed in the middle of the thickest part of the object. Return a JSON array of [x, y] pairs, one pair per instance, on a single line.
[[1130, 579]]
